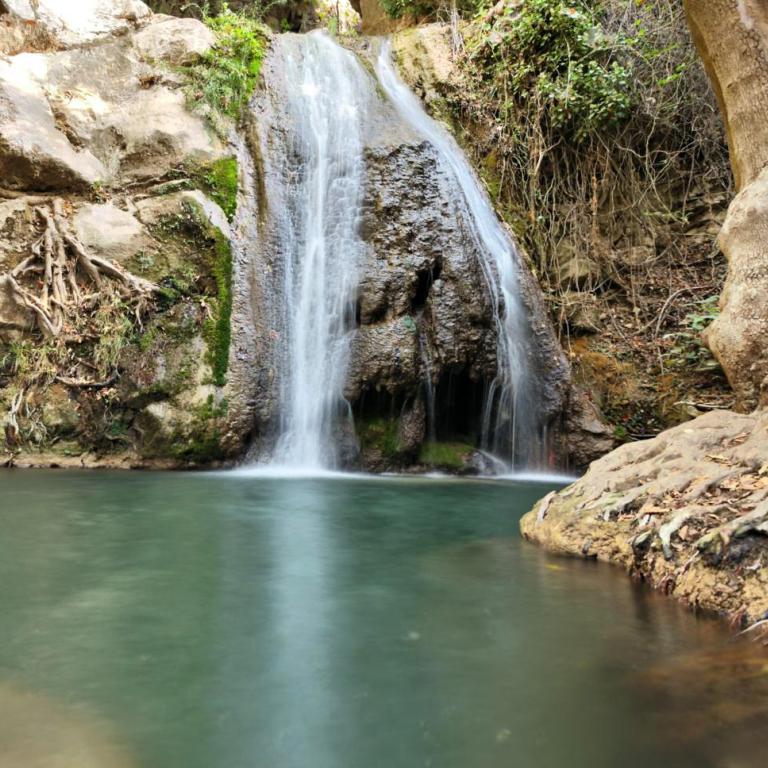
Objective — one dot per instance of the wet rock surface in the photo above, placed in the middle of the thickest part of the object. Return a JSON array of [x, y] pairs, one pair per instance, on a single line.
[[426, 328]]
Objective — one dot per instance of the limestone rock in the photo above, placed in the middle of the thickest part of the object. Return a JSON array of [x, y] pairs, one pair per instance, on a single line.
[[580, 310], [59, 411], [426, 60], [81, 22], [138, 132], [685, 511], [384, 356], [575, 269], [175, 41], [586, 436], [412, 428], [738, 336], [14, 317], [110, 232], [72, 118], [34, 153]]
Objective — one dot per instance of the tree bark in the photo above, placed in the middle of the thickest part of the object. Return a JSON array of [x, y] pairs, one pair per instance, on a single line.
[[732, 37]]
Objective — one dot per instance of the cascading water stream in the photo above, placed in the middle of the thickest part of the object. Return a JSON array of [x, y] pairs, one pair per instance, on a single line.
[[511, 425], [319, 160]]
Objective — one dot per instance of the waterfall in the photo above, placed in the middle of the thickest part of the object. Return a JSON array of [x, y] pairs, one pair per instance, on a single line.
[[511, 425], [315, 150]]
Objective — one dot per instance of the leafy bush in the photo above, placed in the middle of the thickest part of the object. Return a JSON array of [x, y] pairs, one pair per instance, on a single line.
[[227, 75], [689, 349], [590, 117], [556, 57]]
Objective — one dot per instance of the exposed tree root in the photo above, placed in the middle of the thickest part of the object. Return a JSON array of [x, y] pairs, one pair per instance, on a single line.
[[60, 257], [75, 298], [12, 431]]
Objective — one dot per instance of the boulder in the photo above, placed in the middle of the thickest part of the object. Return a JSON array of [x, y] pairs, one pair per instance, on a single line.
[[72, 118], [686, 512], [586, 436], [580, 311], [35, 154], [174, 41], [82, 22], [384, 356]]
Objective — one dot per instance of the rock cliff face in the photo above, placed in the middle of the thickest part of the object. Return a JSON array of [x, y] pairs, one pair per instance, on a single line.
[[427, 63], [424, 351], [114, 262]]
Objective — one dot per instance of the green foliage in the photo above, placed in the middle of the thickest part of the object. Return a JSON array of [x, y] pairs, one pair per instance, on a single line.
[[587, 119], [210, 276], [116, 330], [556, 55], [689, 349], [445, 455], [225, 78], [379, 433]]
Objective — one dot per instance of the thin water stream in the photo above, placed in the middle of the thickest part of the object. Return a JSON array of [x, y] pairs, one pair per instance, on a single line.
[[511, 426], [225, 621]]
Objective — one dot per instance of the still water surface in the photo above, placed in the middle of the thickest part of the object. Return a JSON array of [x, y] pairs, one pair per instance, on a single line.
[[217, 621]]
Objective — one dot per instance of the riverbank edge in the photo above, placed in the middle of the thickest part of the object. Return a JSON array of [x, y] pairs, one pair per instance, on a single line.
[[686, 513], [124, 461]]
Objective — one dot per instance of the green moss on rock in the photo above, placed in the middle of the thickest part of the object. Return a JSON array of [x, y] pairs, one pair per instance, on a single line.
[[220, 181], [218, 330], [451, 456], [379, 434]]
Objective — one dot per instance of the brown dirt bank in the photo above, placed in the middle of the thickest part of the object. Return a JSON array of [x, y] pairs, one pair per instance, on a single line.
[[686, 512]]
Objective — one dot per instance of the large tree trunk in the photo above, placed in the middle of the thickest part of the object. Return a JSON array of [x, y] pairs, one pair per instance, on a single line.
[[732, 36]]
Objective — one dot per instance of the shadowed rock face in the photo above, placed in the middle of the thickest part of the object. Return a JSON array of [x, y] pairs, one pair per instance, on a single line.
[[421, 277]]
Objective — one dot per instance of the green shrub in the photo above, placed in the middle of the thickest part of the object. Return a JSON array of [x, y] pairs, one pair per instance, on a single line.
[[587, 118], [689, 349], [556, 55], [227, 75], [445, 455]]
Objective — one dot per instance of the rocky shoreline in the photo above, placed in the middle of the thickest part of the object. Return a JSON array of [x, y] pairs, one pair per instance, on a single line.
[[686, 512]]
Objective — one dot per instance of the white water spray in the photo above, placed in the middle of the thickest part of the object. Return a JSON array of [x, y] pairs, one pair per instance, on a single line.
[[319, 160]]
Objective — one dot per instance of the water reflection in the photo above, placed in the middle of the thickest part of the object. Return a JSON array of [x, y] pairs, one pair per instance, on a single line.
[[219, 621]]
